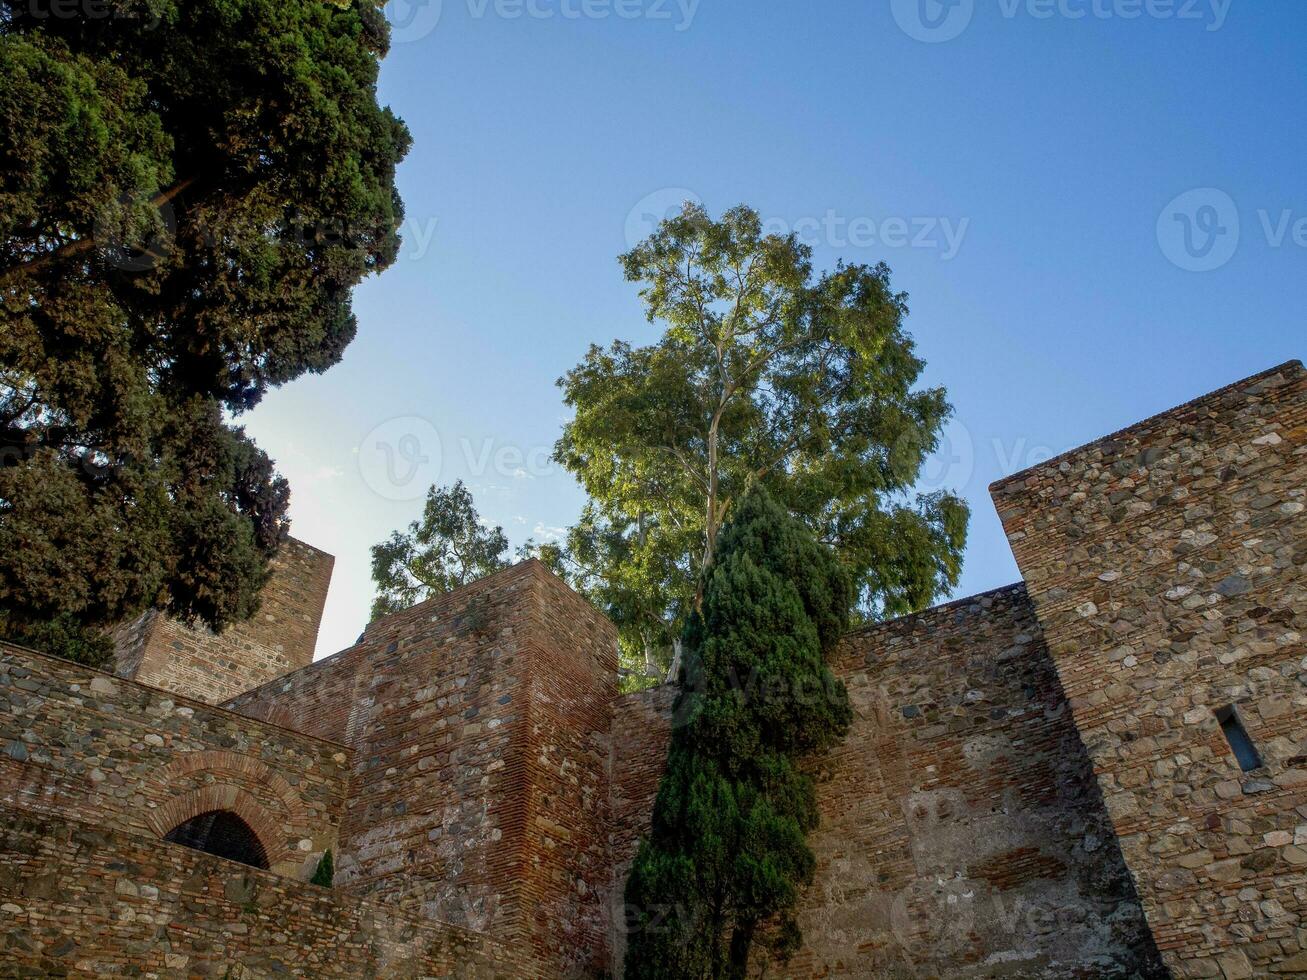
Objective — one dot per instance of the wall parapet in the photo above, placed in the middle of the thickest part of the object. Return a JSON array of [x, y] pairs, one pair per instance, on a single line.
[[280, 637]]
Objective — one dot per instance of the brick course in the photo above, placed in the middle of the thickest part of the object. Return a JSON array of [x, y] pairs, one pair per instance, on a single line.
[[79, 900], [480, 722], [79, 743]]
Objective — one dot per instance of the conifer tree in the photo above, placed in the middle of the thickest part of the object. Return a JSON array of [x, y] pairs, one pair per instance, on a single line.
[[722, 870], [189, 192]]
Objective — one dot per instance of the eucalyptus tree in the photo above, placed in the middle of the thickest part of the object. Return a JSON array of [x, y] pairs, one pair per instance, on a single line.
[[447, 547], [769, 373]]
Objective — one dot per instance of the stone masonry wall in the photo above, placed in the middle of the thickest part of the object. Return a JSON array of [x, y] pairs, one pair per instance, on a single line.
[[160, 651], [480, 723], [962, 834], [79, 900], [79, 744], [432, 700], [1168, 564]]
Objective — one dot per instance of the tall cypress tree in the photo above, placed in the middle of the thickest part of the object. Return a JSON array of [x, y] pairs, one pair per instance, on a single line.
[[727, 857]]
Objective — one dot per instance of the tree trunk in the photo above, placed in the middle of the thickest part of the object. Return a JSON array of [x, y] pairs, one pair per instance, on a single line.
[[741, 944], [675, 668], [710, 512]]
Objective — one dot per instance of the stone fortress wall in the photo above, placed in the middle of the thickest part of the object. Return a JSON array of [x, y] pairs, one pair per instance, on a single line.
[[1168, 565], [77, 900], [115, 754], [962, 834], [96, 769], [1039, 782]]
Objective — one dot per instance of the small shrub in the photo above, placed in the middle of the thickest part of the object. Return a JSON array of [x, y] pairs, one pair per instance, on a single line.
[[326, 871]]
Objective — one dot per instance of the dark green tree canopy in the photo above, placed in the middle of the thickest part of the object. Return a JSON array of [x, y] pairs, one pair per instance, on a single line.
[[448, 547], [766, 372], [189, 192], [727, 856]]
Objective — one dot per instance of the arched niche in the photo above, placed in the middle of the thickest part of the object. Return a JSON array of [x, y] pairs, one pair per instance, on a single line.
[[222, 833]]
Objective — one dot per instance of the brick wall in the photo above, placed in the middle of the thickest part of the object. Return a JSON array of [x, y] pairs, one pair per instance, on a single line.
[[1167, 567], [480, 724], [160, 651], [642, 724], [962, 834], [573, 682], [79, 900], [88, 746]]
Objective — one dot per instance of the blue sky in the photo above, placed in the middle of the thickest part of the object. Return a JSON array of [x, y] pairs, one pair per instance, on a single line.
[[1097, 208]]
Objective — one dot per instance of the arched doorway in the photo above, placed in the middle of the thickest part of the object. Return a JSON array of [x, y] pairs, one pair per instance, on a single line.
[[222, 833]]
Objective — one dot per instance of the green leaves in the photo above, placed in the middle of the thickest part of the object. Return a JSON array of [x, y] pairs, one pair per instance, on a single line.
[[766, 373], [727, 857], [188, 195], [325, 873], [448, 547]]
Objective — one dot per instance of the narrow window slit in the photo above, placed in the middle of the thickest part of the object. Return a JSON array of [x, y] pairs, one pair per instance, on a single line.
[[1240, 742]]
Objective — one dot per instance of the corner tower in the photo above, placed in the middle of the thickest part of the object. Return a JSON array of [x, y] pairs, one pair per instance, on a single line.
[[158, 650], [480, 722], [1168, 567]]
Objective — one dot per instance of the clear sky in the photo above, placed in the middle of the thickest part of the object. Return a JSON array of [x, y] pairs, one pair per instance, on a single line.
[[1026, 168]]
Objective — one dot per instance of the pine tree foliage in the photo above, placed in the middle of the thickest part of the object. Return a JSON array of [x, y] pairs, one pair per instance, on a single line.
[[727, 857], [189, 192]]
